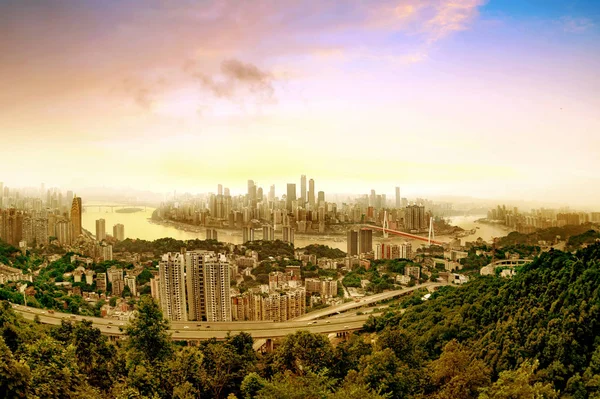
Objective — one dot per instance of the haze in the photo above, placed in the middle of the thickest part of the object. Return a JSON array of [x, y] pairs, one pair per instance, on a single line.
[[493, 99]]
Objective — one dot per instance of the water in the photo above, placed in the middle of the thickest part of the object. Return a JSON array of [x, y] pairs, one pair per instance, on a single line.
[[137, 225]]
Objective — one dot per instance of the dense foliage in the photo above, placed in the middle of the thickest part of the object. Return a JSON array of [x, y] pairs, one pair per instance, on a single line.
[[323, 251], [266, 249], [164, 245], [548, 235], [532, 336]]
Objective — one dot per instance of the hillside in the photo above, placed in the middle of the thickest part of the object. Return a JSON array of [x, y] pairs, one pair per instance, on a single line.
[[535, 336]]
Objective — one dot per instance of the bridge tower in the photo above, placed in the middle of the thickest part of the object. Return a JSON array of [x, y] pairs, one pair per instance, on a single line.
[[431, 232], [386, 225]]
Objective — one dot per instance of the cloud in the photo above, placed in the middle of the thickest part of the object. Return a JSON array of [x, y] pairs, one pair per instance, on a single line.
[[235, 76], [576, 25]]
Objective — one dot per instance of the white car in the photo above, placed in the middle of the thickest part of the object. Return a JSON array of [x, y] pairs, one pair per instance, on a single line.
[[185, 327]]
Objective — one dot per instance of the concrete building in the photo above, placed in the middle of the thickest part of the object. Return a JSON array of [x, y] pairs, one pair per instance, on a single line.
[[211, 234], [119, 232], [216, 287], [172, 287], [352, 243], [247, 234], [107, 252], [288, 234], [290, 197], [268, 233], [131, 283], [366, 241], [100, 229]]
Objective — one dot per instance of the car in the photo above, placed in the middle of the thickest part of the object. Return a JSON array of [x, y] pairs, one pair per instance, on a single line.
[[177, 331], [108, 327], [185, 327], [198, 325], [207, 326], [43, 312], [73, 317], [309, 323], [110, 322], [327, 322], [346, 327]]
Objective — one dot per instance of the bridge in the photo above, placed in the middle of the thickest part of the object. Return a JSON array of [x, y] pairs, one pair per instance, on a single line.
[[259, 330], [402, 234], [490, 270]]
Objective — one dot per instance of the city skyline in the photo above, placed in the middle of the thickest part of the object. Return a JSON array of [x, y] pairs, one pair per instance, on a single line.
[[489, 99]]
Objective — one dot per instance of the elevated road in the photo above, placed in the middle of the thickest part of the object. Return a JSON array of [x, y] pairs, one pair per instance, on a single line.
[[368, 300], [198, 330]]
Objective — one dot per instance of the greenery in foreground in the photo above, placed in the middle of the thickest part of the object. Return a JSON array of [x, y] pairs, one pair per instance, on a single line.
[[535, 336]]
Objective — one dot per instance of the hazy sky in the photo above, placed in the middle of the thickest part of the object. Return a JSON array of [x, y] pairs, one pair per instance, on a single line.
[[463, 97]]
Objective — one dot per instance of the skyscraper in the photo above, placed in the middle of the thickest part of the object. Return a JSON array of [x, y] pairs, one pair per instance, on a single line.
[[352, 243], [216, 287], [268, 233], [303, 191], [398, 199], [311, 193], [194, 265], [288, 234], [119, 232], [366, 241], [76, 217], [321, 197], [100, 229], [291, 196], [172, 286]]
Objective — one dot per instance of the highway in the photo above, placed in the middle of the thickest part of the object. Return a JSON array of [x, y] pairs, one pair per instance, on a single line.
[[198, 330], [368, 300]]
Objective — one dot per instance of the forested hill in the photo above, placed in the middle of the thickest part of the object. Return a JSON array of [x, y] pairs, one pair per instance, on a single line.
[[539, 331], [535, 336]]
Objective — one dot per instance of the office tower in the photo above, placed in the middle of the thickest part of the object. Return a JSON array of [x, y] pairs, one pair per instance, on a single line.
[[288, 234], [100, 229], [155, 289], [291, 196], [117, 287], [251, 191], [321, 197], [259, 194], [366, 241], [11, 226], [172, 286], [220, 189], [311, 193], [247, 234], [352, 243], [119, 232], [268, 233], [69, 198], [303, 191], [130, 282], [76, 217], [398, 198], [271, 197], [216, 287], [211, 234]]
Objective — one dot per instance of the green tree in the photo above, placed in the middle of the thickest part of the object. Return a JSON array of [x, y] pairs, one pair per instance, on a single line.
[[303, 351], [519, 384], [15, 378], [148, 333]]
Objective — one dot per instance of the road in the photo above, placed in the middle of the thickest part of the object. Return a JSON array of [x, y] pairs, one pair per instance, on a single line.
[[194, 330], [368, 300]]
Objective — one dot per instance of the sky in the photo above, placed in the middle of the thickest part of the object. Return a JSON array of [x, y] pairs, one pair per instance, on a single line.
[[490, 99]]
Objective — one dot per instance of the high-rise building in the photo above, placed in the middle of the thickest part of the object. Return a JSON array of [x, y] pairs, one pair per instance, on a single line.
[[216, 287], [291, 196], [268, 233], [321, 197], [414, 218], [311, 193], [303, 191], [398, 198], [100, 229], [271, 197], [172, 286], [352, 243], [366, 241], [107, 252], [247, 234], [211, 234], [288, 234], [76, 217], [130, 282], [119, 232]]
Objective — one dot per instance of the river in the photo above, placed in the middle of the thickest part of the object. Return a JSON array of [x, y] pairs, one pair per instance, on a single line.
[[137, 225]]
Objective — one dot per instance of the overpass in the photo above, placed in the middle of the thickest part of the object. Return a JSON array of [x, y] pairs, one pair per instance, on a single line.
[[401, 234], [199, 330], [368, 300], [490, 269]]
